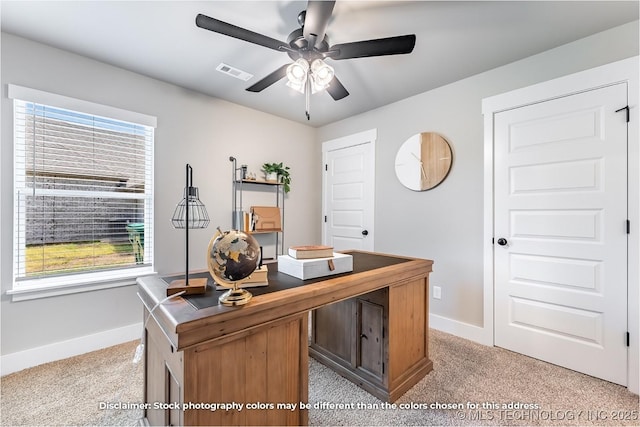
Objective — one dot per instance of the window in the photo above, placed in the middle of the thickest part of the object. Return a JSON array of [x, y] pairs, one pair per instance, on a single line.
[[83, 200]]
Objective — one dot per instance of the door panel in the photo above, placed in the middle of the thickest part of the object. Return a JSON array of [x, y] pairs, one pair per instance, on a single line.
[[333, 329], [371, 349], [552, 319], [348, 197], [561, 204]]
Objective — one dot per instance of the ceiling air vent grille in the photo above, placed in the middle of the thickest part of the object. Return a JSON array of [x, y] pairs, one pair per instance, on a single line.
[[233, 72]]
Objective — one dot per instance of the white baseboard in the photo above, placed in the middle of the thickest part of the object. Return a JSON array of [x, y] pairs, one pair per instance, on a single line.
[[20, 360], [463, 330]]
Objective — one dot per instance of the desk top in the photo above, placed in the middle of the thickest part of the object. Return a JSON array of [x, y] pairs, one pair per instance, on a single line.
[[196, 318], [280, 281]]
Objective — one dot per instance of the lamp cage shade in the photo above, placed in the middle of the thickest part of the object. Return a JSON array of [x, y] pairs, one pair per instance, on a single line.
[[198, 216]]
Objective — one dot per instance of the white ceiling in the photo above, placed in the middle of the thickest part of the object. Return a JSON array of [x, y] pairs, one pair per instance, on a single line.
[[455, 39]]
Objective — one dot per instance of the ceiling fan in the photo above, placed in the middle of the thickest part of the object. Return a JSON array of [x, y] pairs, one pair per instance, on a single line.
[[308, 46]]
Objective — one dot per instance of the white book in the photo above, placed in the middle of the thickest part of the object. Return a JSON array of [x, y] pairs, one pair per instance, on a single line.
[[316, 267]]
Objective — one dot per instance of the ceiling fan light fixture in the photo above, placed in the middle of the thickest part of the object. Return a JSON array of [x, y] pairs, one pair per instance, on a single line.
[[296, 86], [297, 71], [321, 73]]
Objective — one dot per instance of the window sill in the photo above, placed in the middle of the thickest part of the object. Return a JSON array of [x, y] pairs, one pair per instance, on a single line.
[[55, 286]]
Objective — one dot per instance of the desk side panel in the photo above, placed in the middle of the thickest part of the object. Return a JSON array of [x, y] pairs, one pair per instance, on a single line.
[[163, 376], [408, 334], [266, 365]]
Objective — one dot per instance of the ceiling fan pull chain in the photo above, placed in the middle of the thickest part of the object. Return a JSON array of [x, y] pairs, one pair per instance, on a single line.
[[307, 90]]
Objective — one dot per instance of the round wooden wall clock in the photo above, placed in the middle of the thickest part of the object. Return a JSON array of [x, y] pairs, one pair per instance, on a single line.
[[423, 161]]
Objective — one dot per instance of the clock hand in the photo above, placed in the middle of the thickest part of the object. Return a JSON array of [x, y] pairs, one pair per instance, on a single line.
[[424, 174]]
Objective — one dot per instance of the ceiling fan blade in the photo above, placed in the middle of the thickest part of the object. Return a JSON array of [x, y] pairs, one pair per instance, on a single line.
[[336, 90], [316, 20], [221, 27], [378, 47], [269, 80]]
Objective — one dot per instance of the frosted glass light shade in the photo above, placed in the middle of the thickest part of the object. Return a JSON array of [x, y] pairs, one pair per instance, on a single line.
[[321, 73], [297, 72]]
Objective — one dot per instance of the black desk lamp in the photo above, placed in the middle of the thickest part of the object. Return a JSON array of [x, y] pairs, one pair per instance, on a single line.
[[189, 213]]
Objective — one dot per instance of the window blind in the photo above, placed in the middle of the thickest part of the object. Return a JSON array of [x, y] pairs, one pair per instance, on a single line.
[[83, 192]]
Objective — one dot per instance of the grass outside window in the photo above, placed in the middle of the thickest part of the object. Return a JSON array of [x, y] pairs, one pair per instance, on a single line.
[[77, 257]]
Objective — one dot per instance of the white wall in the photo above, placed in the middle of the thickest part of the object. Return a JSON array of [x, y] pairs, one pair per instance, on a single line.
[[446, 224], [192, 128]]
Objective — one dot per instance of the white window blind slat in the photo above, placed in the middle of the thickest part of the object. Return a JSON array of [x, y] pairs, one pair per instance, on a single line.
[[83, 191]]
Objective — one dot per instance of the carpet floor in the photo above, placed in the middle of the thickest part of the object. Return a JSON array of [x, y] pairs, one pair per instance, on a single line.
[[470, 384]]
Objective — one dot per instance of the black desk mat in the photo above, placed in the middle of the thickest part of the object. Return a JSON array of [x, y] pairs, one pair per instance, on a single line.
[[280, 281]]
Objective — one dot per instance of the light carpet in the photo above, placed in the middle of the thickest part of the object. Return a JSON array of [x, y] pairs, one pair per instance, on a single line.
[[75, 391]]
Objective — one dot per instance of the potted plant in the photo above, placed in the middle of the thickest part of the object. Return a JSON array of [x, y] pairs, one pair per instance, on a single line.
[[278, 173]]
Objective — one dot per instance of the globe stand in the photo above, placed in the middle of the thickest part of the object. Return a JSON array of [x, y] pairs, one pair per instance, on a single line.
[[235, 296]]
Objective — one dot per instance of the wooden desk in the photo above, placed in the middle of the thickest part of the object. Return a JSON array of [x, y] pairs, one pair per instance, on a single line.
[[200, 353]]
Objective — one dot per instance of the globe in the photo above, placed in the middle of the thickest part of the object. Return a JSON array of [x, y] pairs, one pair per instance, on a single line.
[[231, 258]]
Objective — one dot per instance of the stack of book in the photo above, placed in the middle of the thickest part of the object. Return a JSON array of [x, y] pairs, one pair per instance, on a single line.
[[258, 278], [308, 262]]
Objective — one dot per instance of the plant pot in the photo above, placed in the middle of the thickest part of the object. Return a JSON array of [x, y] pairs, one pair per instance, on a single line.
[[271, 176]]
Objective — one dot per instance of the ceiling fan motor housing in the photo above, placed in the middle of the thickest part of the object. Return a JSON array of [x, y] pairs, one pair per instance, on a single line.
[[301, 48]]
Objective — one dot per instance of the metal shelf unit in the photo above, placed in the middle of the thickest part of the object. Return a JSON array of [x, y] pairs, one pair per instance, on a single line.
[[242, 185]]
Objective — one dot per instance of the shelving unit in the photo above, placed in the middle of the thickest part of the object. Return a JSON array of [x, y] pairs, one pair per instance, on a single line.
[[242, 185]]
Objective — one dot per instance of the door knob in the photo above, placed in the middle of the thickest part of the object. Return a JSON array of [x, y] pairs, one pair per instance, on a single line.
[[365, 232], [502, 241]]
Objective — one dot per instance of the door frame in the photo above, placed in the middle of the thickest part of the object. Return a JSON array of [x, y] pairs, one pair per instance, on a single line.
[[364, 137], [624, 71]]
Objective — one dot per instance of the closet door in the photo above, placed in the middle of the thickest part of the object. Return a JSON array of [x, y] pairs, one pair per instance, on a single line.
[[561, 231]]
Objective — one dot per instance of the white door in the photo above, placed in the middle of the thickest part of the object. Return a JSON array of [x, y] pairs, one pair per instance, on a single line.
[[561, 210], [348, 192]]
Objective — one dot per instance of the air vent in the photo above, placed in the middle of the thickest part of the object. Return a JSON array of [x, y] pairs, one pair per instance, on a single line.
[[233, 72]]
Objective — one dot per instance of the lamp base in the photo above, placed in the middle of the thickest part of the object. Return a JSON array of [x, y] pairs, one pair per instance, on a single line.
[[235, 296], [195, 286]]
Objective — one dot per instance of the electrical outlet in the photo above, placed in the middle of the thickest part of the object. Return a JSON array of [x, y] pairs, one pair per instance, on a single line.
[[437, 292]]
